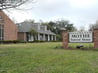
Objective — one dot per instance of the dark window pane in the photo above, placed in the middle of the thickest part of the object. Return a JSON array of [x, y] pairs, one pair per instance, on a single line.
[[1, 32]]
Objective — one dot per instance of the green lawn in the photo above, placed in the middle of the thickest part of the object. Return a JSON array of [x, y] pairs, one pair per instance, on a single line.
[[44, 58], [86, 45]]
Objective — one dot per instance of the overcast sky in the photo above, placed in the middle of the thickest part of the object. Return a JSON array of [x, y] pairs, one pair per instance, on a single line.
[[79, 12]]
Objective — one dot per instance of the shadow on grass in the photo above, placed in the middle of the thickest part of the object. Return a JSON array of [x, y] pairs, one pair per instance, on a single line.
[[58, 47], [75, 48]]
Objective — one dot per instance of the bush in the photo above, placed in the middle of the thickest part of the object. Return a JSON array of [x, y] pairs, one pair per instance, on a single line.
[[54, 41], [59, 37], [12, 41], [36, 41]]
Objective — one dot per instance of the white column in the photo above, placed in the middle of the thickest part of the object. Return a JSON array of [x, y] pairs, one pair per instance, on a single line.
[[48, 38], [51, 37], [32, 38], [55, 37], [38, 36], [43, 37]]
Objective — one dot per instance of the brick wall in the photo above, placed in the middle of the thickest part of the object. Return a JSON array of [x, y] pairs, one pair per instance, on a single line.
[[65, 39], [22, 36], [10, 29], [95, 38]]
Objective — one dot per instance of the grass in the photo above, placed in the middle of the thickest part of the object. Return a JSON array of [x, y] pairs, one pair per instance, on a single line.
[[45, 58], [86, 45]]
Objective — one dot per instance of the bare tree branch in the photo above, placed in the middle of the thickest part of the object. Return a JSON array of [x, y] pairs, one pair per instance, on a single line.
[[6, 4]]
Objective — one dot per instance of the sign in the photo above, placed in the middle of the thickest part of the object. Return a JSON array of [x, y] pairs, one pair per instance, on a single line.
[[78, 37]]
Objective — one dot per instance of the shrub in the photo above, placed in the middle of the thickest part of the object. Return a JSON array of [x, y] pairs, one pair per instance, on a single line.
[[54, 41], [12, 41], [36, 41]]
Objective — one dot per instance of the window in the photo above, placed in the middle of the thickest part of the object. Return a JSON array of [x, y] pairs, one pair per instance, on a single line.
[[42, 28], [1, 19], [1, 32]]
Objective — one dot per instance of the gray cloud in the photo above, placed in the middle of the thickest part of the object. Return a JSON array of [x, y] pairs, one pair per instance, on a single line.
[[55, 9]]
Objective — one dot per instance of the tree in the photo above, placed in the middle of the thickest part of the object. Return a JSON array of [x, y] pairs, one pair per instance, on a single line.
[[65, 24], [51, 23], [62, 23], [31, 21], [6, 4], [82, 28], [34, 33], [91, 27]]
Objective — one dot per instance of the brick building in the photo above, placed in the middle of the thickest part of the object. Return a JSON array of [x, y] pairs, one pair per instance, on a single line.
[[43, 33], [8, 29]]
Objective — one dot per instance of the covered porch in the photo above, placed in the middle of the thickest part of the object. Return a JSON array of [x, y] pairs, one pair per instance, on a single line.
[[42, 37]]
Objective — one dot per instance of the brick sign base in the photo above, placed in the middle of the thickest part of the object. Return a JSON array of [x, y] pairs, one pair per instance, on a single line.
[[95, 38], [66, 38]]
